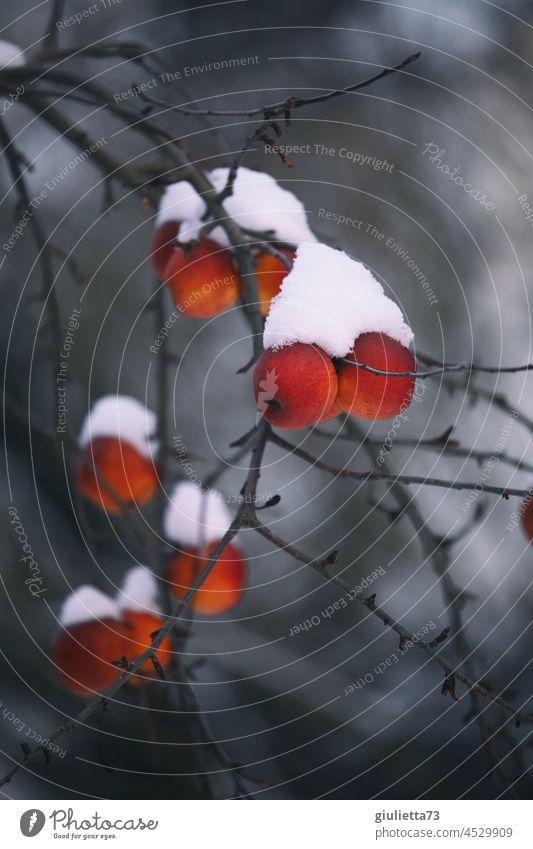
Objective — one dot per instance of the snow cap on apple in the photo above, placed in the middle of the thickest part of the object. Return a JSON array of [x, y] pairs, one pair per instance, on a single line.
[[329, 299], [11, 56], [139, 592], [194, 517], [87, 603], [258, 203], [121, 417]]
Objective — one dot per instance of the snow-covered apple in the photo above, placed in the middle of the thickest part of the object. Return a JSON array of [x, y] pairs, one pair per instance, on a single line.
[[294, 386], [142, 617], [332, 304], [115, 469], [197, 520], [91, 639]]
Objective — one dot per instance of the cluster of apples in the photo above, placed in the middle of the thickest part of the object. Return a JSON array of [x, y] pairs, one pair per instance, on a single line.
[[98, 632], [300, 385], [117, 460], [198, 269], [331, 311]]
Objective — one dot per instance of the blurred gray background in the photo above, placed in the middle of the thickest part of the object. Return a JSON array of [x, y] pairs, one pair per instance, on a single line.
[[278, 701]]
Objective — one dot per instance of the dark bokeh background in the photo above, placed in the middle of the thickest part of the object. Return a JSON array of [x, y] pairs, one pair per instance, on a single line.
[[278, 701]]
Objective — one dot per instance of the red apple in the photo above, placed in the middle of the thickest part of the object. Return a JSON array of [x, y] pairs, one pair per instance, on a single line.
[[270, 273], [130, 475], [526, 516], [84, 655], [203, 279], [369, 396], [162, 246], [224, 587], [139, 628], [334, 411], [294, 386]]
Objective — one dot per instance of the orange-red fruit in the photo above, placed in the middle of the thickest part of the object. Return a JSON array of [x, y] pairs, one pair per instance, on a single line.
[[334, 411], [203, 280], [132, 477], [270, 273], [368, 396], [223, 588], [162, 246], [295, 386], [139, 628], [84, 655], [526, 514]]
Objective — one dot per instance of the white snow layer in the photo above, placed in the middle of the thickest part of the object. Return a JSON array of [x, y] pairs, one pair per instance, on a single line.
[[179, 203], [139, 592], [123, 417], [258, 202], [194, 517], [11, 56], [329, 299], [87, 603]]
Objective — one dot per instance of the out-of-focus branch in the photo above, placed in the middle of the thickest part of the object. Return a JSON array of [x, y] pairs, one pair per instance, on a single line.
[[389, 477], [450, 669], [443, 445], [52, 324]]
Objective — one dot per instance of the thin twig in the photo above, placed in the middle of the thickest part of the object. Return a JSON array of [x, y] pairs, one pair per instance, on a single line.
[[281, 107], [435, 372], [389, 477], [449, 668]]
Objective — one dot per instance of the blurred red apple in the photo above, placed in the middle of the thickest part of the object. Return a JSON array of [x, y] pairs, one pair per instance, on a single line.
[[139, 628], [203, 280], [223, 588], [130, 475], [163, 246], [84, 655]]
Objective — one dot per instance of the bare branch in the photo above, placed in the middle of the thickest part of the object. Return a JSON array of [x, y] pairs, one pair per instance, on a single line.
[[282, 107], [388, 477]]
